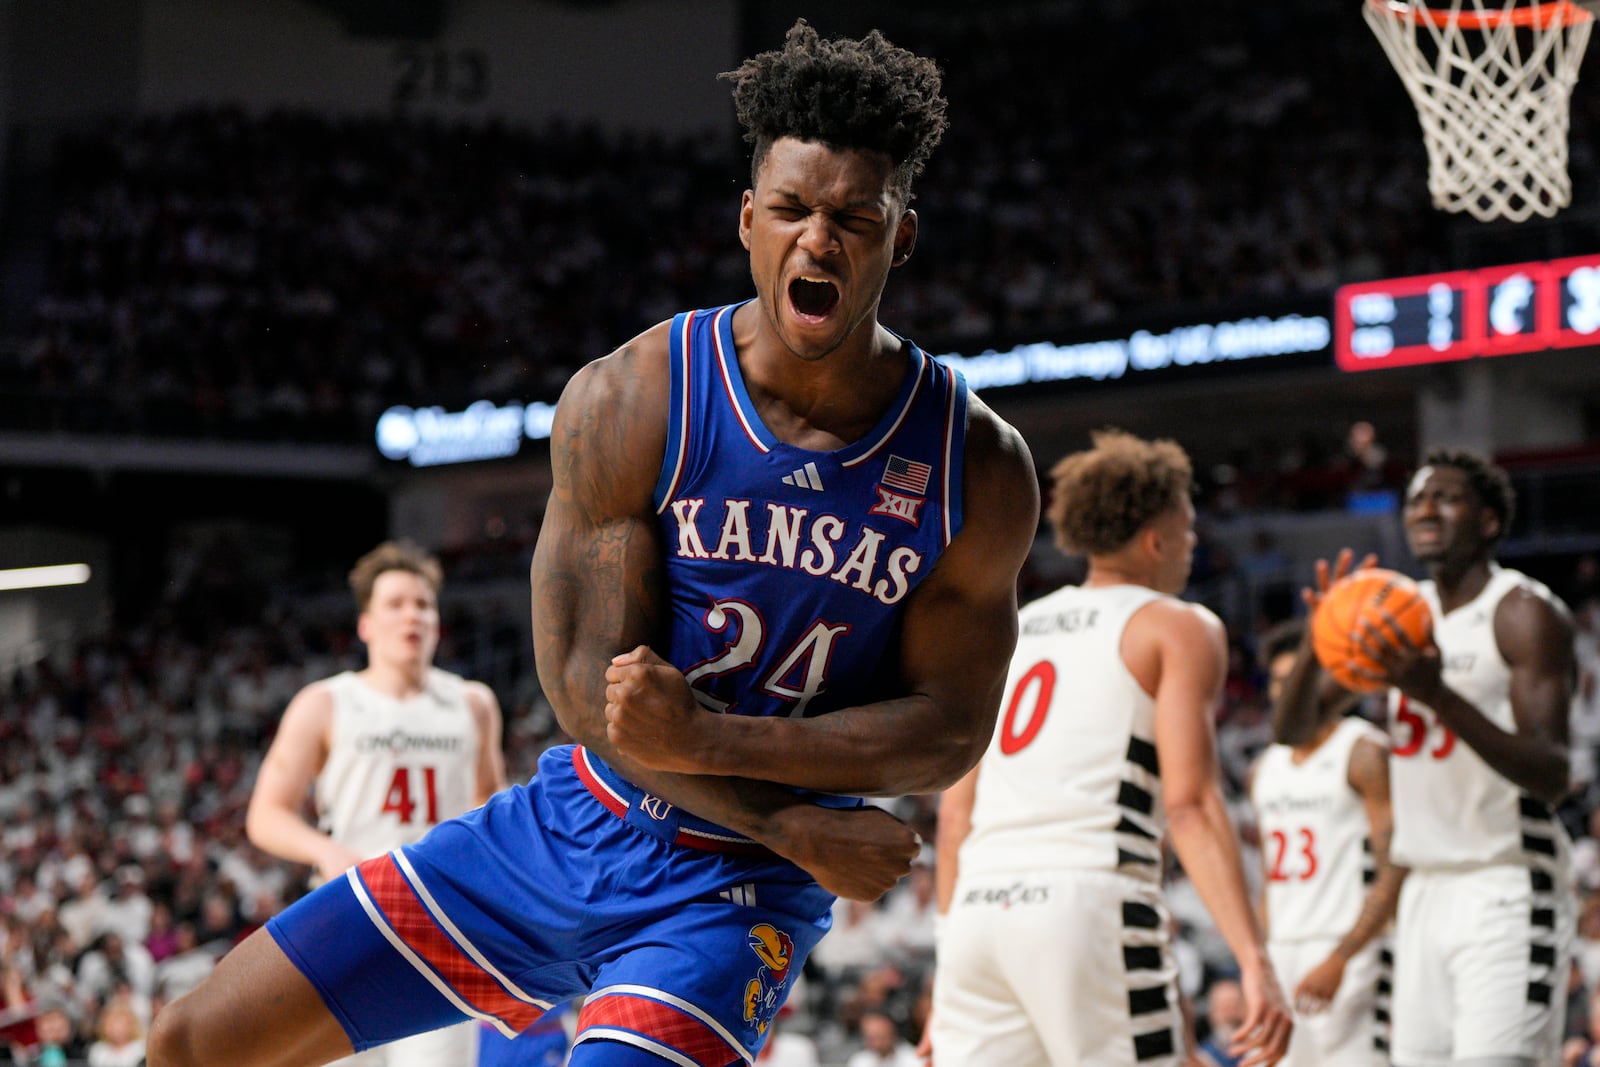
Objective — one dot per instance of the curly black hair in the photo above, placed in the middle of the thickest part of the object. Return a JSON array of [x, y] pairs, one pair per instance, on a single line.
[[1102, 497], [1490, 483], [866, 94]]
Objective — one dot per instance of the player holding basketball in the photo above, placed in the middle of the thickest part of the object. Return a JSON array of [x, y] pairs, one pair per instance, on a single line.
[[1478, 723], [1321, 796], [393, 750], [771, 524], [1055, 947]]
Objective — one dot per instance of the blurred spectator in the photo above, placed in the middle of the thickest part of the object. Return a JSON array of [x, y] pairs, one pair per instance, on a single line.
[[83, 916], [854, 945], [128, 911], [189, 963], [1584, 1050], [111, 962], [786, 1047], [55, 1043], [1585, 740], [882, 1044], [1224, 1016], [121, 1038], [905, 923], [162, 941]]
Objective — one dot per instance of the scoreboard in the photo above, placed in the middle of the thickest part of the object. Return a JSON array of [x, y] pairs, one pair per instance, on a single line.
[[1434, 318]]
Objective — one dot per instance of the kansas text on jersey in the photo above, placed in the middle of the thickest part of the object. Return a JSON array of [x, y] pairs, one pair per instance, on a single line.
[[787, 568]]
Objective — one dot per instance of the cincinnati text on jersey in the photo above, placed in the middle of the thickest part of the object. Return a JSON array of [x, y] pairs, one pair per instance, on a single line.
[[858, 560], [1288, 805], [398, 741]]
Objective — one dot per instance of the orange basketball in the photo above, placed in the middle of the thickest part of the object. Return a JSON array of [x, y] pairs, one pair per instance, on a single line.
[[1365, 596]]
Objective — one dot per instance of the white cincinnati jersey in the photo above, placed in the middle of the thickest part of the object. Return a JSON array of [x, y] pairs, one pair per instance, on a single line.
[[1070, 779], [1314, 836], [396, 767], [1451, 810]]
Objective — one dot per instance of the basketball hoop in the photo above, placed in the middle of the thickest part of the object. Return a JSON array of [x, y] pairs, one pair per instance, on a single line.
[[1492, 81]]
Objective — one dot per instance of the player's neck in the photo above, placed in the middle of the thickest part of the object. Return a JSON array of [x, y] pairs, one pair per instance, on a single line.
[[824, 403], [398, 680], [1459, 583], [1318, 739], [1112, 570]]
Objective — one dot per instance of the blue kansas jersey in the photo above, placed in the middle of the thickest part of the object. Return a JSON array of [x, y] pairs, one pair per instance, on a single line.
[[788, 568]]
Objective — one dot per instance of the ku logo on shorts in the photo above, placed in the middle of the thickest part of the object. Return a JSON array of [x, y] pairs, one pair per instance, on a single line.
[[764, 993]]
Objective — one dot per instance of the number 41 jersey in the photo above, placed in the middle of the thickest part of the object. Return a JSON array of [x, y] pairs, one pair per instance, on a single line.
[[787, 568], [396, 768]]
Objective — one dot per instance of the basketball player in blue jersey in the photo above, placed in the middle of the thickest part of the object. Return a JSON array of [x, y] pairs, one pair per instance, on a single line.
[[777, 572]]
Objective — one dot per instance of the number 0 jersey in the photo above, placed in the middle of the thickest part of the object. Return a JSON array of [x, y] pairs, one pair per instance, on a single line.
[[1451, 809], [396, 767], [1314, 836], [1071, 780]]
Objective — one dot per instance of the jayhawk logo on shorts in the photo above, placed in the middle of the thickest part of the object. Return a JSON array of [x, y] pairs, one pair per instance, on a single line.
[[763, 994]]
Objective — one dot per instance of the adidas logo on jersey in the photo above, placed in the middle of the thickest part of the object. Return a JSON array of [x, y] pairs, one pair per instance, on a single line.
[[805, 478], [744, 894]]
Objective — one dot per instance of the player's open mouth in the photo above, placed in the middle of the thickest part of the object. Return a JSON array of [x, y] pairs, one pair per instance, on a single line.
[[813, 299]]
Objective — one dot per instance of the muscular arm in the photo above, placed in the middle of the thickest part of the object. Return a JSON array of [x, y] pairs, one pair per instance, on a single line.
[[922, 741], [597, 576], [1536, 641], [1299, 710], [274, 822], [919, 741], [1369, 777], [1310, 697], [1191, 650], [597, 592], [1193, 664], [491, 759]]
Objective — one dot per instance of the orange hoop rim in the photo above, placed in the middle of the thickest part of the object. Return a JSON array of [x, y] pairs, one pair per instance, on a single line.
[[1539, 16]]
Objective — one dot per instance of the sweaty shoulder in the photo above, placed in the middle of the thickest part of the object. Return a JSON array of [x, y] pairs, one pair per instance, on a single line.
[[1529, 625], [1167, 616], [1168, 627], [611, 423]]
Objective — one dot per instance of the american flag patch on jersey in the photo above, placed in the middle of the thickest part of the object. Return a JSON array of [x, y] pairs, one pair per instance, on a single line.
[[907, 475]]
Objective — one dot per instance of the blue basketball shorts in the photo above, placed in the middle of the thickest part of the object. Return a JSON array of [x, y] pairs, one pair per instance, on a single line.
[[576, 884]]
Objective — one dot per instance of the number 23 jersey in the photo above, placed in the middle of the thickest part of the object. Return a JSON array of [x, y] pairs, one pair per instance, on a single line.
[[1315, 835]]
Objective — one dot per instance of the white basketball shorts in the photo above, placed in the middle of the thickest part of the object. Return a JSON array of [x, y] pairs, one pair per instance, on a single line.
[[1353, 1031], [1481, 961], [1055, 970]]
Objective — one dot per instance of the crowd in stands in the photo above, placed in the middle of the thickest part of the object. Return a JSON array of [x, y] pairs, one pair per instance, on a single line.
[[218, 273], [288, 276], [126, 764]]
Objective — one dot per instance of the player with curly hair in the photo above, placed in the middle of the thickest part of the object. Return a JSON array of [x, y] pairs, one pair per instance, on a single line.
[[776, 574], [1054, 948]]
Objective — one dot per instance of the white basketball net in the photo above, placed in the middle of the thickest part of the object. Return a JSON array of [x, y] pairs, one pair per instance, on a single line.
[[1491, 80]]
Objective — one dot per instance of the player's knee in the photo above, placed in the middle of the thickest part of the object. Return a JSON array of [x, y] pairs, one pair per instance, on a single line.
[[170, 1042]]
